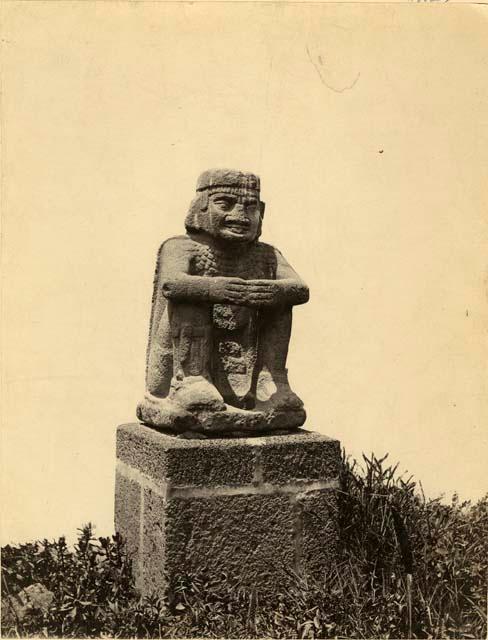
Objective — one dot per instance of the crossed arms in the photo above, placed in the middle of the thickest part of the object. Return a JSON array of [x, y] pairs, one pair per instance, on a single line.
[[177, 284]]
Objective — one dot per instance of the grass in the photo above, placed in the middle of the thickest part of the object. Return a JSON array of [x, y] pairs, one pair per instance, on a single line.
[[408, 567]]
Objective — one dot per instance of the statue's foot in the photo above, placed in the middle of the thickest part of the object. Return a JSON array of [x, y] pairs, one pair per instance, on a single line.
[[164, 414], [283, 399], [196, 393], [275, 393], [286, 397], [167, 414]]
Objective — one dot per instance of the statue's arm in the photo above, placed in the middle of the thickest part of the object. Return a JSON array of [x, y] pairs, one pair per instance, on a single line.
[[178, 284], [293, 289], [287, 289]]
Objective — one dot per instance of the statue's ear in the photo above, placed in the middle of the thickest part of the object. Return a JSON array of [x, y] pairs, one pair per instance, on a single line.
[[195, 222], [262, 206], [203, 201]]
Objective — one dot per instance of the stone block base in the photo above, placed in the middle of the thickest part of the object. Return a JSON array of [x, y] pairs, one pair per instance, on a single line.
[[259, 509]]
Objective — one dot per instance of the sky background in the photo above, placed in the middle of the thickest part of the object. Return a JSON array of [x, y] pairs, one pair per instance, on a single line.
[[368, 125]]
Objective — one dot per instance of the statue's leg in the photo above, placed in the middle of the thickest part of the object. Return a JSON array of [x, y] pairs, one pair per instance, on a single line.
[[160, 359], [191, 332], [272, 384]]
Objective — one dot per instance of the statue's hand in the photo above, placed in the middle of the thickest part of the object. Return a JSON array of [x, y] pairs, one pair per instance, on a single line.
[[263, 293], [248, 293], [230, 290]]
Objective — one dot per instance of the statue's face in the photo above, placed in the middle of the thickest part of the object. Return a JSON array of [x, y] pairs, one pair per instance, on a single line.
[[234, 218]]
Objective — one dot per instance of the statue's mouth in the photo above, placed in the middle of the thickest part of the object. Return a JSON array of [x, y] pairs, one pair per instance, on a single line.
[[238, 226]]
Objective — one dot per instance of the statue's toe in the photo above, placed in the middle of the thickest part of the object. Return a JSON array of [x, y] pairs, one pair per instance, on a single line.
[[196, 393]]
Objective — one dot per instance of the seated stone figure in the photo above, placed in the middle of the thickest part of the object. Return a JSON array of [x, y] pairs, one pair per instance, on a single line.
[[221, 319]]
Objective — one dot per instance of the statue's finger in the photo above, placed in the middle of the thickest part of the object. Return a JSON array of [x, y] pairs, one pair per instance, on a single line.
[[263, 297], [259, 290], [236, 287], [234, 297]]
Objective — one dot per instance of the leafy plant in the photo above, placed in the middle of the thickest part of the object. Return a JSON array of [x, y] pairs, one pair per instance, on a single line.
[[408, 567]]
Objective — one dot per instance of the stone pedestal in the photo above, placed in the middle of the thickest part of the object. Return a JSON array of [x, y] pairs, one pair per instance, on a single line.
[[259, 508]]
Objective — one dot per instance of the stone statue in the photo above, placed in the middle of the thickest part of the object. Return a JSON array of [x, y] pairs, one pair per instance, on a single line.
[[221, 320]]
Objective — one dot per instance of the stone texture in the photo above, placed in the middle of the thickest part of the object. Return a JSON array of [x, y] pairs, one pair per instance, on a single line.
[[226, 506], [316, 457], [128, 514], [153, 550], [249, 536], [221, 319], [35, 597], [185, 462], [320, 534]]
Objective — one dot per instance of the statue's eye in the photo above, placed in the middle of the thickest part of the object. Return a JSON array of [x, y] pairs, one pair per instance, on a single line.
[[251, 205], [224, 203]]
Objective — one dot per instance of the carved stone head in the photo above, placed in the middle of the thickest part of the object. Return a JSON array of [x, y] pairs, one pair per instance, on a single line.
[[227, 206]]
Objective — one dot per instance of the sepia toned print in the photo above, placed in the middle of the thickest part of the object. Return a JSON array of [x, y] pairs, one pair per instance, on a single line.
[[366, 125]]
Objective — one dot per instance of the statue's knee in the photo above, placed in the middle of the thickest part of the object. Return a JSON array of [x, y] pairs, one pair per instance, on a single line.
[[159, 373]]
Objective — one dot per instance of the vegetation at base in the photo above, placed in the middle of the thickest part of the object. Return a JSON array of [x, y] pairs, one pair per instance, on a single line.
[[408, 567]]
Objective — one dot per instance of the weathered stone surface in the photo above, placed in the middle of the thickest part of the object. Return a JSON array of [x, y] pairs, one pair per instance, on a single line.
[[221, 319], [144, 449], [185, 462], [250, 536], [35, 597], [153, 549], [315, 457], [226, 506], [320, 534], [128, 514]]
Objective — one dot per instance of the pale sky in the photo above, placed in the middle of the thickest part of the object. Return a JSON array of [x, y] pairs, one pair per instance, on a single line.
[[368, 126]]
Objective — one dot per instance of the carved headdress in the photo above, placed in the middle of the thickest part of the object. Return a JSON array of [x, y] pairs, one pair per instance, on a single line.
[[227, 180], [222, 181]]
